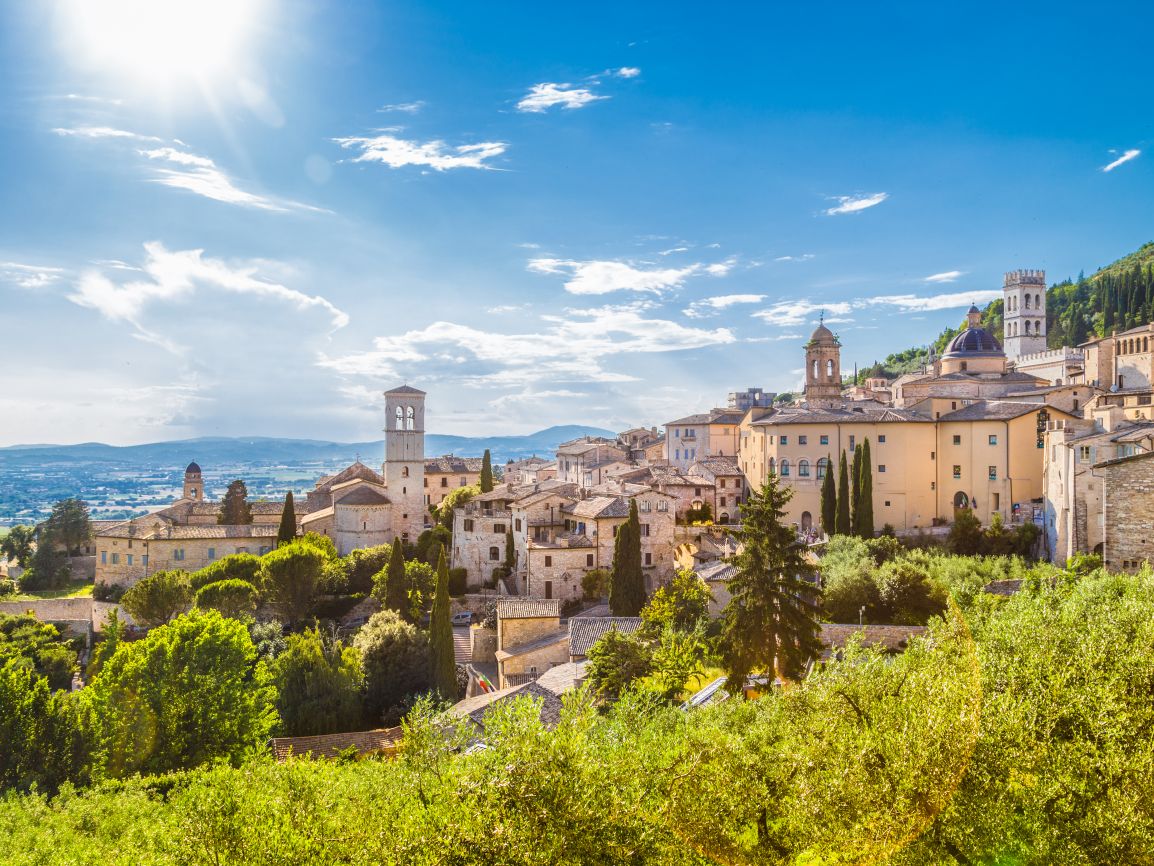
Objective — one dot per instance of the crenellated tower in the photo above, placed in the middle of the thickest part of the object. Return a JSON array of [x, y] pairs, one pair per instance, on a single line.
[[1024, 313], [404, 467]]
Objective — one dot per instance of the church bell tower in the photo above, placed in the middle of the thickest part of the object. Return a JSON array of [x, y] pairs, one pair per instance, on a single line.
[[404, 467], [823, 369]]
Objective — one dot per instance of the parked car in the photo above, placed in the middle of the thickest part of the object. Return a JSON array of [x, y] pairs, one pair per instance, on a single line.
[[465, 617]]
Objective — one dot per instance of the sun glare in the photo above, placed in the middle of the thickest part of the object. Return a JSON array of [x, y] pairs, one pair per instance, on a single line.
[[158, 41]]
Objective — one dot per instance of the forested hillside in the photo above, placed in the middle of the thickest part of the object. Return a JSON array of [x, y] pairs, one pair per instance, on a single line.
[[1116, 297]]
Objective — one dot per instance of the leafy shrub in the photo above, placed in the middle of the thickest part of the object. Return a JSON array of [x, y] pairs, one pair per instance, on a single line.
[[233, 598], [396, 660], [109, 591], [238, 566], [7, 587], [458, 579]]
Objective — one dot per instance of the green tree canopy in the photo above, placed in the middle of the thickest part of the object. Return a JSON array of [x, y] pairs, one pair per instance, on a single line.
[[17, 545], [486, 472], [38, 646], [627, 581], [443, 675], [156, 599], [237, 566], [829, 500], [770, 624], [395, 655], [682, 604], [865, 501], [289, 577], [616, 661], [354, 573], [318, 686], [843, 526], [288, 521], [234, 508], [44, 745], [189, 692], [232, 598], [69, 525], [456, 499], [390, 585]]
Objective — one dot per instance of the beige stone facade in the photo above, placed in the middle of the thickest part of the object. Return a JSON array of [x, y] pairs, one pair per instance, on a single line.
[[1127, 505], [445, 474], [695, 437], [530, 639]]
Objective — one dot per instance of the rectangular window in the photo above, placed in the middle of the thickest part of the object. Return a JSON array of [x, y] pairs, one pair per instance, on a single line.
[[722, 502], [887, 503], [517, 525], [957, 471], [104, 557], [824, 440], [852, 443], [646, 506], [676, 433], [649, 559], [130, 559], [1084, 453], [676, 453], [264, 548], [464, 481], [499, 528], [116, 559], [467, 525], [933, 455], [662, 505], [178, 554], [997, 502], [881, 467], [144, 560], [644, 530], [444, 482], [721, 483], [212, 553], [993, 439], [953, 404], [802, 440], [589, 560], [548, 561], [993, 473], [957, 440], [784, 440], [495, 554], [882, 439]]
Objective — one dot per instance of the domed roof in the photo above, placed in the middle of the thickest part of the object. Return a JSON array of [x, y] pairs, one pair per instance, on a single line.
[[822, 334], [973, 342], [193, 469]]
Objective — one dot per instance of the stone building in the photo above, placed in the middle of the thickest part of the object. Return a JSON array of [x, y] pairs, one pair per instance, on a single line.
[[587, 461], [1024, 313], [823, 369], [445, 474], [695, 437], [530, 639], [1127, 504]]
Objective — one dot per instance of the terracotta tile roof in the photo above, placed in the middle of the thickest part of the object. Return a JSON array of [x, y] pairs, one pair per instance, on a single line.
[[994, 410], [364, 495], [587, 630], [357, 470], [894, 638], [252, 530], [599, 506], [452, 465], [563, 678], [528, 608], [477, 708], [381, 741], [531, 646], [405, 389]]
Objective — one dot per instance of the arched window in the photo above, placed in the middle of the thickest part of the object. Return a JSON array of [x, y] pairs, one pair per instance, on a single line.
[[1027, 326], [772, 466], [1038, 328], [815, 373], [822, 468], [803, 468], [1027, 302], [829, 368], [404, 471], [1037, 302], [784, 467], [400, 418], [410, 418]]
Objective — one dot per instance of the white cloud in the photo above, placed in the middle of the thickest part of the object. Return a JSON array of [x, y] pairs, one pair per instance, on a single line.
[[805, 257], [404, 107], [171, 276], [396, 152], [855, 203], [29, 276], [936, 302], [787, 314], [710, 306], [1126, 157], [628, 72], [171, 154], [944, 277], [103, 132], [542, 97], [571, 348], [501, 309], [603, 277]]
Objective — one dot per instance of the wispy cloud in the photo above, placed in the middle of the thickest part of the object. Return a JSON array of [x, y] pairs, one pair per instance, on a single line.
[[1124, 158], [396, 152], [502, 309], [570, 348], [542, 97], [804, 257], [936, 302], [29, 276], [792, 313], [176, 275], [788, 314], [600, 277], [104, 132], [403, 107], [944, 277], [711, 306], [855, 203], [628, 72]]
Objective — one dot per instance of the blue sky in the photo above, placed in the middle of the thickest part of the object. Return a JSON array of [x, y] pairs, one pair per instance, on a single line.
[[231, 218]]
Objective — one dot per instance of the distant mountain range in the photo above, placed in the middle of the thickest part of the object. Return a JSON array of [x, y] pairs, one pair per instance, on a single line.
[[271, 451]]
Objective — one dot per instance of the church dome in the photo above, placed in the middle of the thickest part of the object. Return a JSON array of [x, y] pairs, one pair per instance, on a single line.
[[822, 334], [973, 342], [193, 469]]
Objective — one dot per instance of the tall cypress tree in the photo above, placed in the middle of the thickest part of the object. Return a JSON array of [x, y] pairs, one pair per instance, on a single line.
[[855, 490], [288, 521], [770, 623], [486, 472], [865, 503], [510, 551], [444, 662], [627, 582], [234, 508], [828, 500], [396, 583], [842, 525]]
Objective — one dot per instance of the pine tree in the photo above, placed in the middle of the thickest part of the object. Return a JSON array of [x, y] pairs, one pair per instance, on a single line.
[[444, 663], [627, 582], [486, 472], [855, 490], [865, 503], [770, 623], [234, 508], [396, 584], [288, 521], [828, 500], [843, 525]]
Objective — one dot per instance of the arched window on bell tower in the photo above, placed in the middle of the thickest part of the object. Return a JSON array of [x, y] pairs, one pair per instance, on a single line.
[[829, 369], [400, 418], [410, 418]]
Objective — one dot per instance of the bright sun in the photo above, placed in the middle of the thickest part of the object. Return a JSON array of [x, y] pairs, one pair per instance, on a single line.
[[157, 41]]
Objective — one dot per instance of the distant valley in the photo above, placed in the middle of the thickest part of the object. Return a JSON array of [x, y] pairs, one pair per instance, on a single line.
[[118, 481]]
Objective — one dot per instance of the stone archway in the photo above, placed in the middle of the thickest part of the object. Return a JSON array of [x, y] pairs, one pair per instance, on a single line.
[[961, 500], [806, 521]]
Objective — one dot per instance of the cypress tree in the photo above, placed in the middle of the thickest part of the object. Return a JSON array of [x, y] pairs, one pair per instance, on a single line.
[[234, 508], [444, 662], [288, 521], [510, 551], [842, 526], [396, 584], [486, 472], [828, 500], [855, 490], [627, 582], [865, 503]]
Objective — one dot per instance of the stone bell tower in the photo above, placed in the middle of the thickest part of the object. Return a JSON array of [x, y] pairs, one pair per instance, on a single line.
[[1024, 313], [823, 369], [404, 467], [193, 483]]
